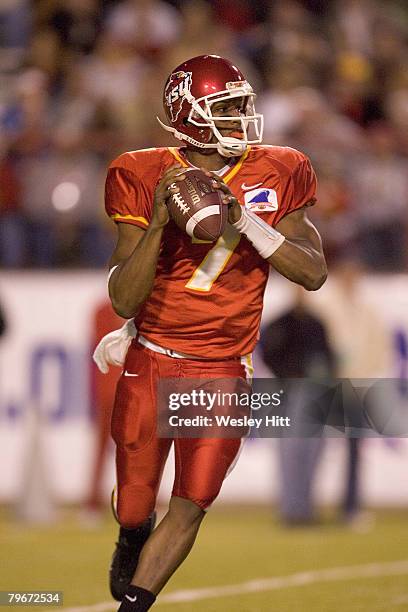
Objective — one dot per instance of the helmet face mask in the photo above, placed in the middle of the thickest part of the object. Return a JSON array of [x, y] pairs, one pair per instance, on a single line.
[[191, 116], [247, 119]]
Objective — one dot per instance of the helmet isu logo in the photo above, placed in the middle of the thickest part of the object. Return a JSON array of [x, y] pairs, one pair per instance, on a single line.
[[179, 83]]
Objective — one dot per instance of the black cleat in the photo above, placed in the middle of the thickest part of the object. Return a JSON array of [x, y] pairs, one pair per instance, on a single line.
[[126, 556]]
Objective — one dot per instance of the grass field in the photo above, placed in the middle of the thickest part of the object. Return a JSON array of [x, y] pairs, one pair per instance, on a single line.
[[234, 546]]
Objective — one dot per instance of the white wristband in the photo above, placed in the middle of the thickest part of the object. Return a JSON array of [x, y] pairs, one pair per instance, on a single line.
[[262, 236]]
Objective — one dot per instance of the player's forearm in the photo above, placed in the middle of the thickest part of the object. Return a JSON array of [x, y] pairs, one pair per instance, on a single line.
[[301, 264], [131, 283], [300, 259]]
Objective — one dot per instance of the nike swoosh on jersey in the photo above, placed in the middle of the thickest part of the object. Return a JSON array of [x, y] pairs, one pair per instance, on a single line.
[[246, 187], [126, 373], [132, 599]]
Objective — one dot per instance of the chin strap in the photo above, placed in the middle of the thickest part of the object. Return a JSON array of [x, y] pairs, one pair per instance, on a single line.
[[231, 147], [226, 146]]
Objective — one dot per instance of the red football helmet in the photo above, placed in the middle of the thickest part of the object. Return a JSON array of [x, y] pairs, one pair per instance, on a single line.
[[191, 90]]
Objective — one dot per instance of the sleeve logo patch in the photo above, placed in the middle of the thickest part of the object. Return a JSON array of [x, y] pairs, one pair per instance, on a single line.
[[261, 200]]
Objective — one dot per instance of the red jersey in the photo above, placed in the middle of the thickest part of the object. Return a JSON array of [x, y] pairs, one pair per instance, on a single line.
[[207, 297]]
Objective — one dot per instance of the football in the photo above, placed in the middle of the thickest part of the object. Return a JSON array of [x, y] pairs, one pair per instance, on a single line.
[[198, 208]]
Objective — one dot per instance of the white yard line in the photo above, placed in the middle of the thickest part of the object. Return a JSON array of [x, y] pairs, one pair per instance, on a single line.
[[334, 574], [400, 601]]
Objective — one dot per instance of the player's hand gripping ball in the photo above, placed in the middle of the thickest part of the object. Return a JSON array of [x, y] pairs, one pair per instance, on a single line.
[[198, 207]]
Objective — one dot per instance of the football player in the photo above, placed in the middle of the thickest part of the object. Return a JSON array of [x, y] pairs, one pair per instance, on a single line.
[[182, 295]]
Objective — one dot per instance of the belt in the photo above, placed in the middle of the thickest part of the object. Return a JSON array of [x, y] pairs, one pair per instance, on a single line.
[[246, 360], [163, 351]]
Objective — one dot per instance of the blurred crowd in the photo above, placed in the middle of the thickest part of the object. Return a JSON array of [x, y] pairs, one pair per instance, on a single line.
[[81, 81]]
